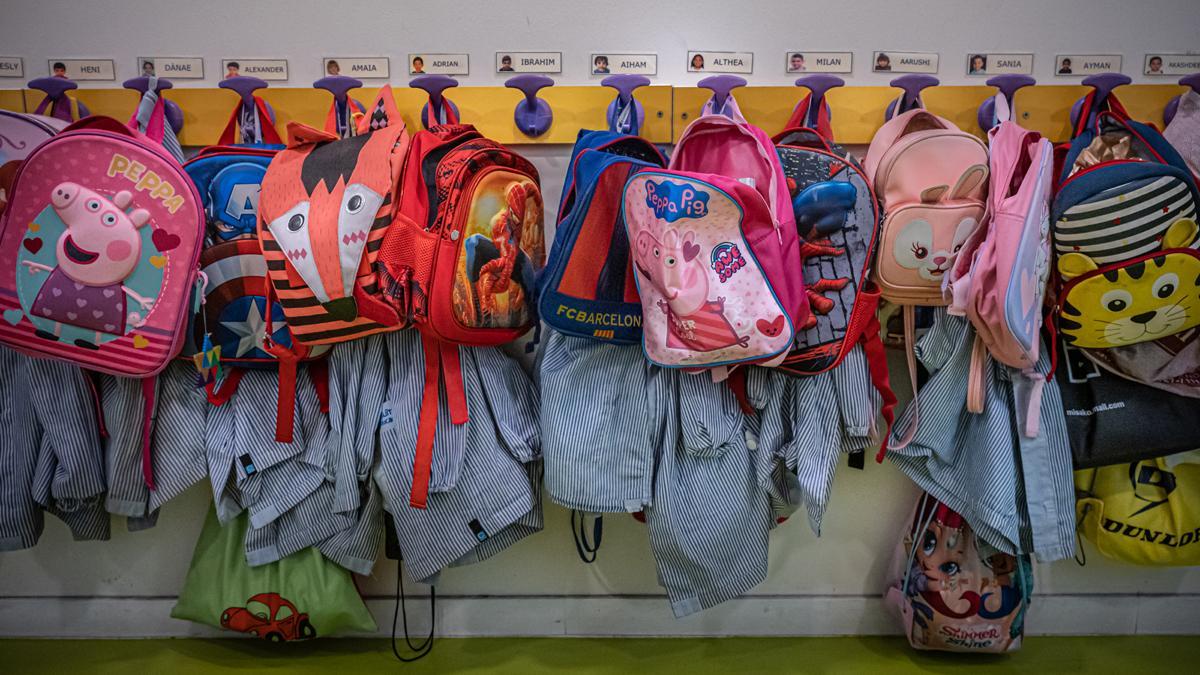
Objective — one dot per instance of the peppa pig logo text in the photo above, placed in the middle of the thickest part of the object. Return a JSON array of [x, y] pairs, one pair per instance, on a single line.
[[672, 201], [146, 180]]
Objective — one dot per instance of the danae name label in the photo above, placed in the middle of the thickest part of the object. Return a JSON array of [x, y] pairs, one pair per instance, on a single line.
[[363, 68], [606, 63], [799, 61], [904, 62], [172, 67], [981, 64], [439, 64], [86, 69], [528, 62], [275, 70], [1068, 65], [721, 62], [12, 66]]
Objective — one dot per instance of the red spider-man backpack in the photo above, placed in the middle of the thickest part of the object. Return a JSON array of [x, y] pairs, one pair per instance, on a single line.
[[461, 260]]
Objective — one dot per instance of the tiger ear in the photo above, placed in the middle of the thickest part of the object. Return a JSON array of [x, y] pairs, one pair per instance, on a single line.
[[1072, 265], [1181, 233]]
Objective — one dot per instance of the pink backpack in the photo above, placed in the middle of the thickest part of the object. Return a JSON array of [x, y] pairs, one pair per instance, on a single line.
[[715, 249]]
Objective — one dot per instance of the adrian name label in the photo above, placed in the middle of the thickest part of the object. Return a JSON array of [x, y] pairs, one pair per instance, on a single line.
[[439, 64]]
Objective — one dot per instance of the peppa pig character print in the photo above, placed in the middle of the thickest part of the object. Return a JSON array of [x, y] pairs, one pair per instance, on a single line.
[[99, 249]]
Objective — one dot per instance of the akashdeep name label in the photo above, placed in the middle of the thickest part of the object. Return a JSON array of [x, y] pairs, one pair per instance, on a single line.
[[363, 68], [267, 69], [721, 62], [83, 69], [904, 62], [606, 63], [171, 67], [1171, 64], [1067, 65], [12, 66], [439, 64], [800, 61], [528, 62]]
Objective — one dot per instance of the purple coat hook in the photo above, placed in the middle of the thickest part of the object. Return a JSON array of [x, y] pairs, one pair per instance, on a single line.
[[245, 86], [533, 115], [170, 108], [818, 84], [439, 109], [912, 85], [720, 86], [1192, 81], [55, 88], [625, 114], [338, 85], [1103, 83], [1008, 86]]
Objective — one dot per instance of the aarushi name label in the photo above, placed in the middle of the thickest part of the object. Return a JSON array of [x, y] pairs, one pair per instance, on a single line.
[[439, 64], [672, 201], [172, 67], [904, 62], [605, 63], [721, 62], [366, 68], [801, 61], [266, 69], [12, 66], [83, 69], [528, 62], [1087, 64]]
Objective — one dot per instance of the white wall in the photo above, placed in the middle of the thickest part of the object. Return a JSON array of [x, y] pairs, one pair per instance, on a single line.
[[826, 586]]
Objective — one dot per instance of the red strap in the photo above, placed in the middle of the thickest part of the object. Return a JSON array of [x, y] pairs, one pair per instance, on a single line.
[[318, 372], [451, 369], [149, 391], [269, 134], [799, 118], [737, 384], [227, 135], [877, 365], [221, 395], [427, 425], [285, 414]]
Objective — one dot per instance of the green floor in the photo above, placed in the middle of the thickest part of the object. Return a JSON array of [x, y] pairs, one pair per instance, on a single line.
[[1133, 655]]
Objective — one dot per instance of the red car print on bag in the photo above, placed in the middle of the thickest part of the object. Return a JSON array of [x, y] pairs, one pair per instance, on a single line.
[[271, 617]]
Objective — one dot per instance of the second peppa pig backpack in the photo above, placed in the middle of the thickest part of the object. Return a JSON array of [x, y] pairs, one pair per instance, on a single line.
[[20, 133]]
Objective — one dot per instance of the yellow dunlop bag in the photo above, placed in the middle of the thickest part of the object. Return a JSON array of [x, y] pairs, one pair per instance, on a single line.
[[1145, 513]]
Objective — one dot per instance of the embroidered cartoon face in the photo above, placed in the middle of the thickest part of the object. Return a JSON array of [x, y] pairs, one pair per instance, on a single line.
[[941, 553], [100, 245], [1142, 301], [930, 250]]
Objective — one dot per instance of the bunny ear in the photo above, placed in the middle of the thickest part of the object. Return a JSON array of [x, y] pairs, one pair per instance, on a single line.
[[931, 195], [970, 181]]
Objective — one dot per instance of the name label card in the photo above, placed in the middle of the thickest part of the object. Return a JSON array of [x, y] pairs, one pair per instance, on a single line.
[[12, 66], [439, 64], [83, 69], [625, 64], [999, 64], [528, 62], [172, 67], [721, 62], [1171, 64], [275, 70], [1087, 64], [819, 62], [905, 62], [361, 68]]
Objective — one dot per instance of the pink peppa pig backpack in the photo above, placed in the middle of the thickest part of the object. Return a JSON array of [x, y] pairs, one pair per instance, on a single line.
[[98, 251], [715, 249]]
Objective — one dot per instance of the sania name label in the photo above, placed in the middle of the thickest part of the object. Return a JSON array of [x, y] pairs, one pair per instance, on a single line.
[[904, 62], [83, 69], [362, 68], [439, 64], [266, 69], [12, 66], [172, 67], [528, 62], [980, 64], [721, 62], [605, 63], [800, 61], [1087, 64], [1171, 64]]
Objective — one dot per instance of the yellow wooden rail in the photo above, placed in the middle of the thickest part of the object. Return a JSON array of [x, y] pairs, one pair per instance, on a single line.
[[857, 111]]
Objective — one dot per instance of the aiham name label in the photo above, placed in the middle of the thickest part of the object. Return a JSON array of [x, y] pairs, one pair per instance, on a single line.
[[439, 64], [721, 62], [84, 69], [616, 63], [275, 70], [172, 67], [12, 66], [800, 61], [528, 62], [905, 62], [1087, 64], [364, 68]]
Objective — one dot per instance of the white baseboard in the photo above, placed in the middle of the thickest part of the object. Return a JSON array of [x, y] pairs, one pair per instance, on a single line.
[[587, 616]]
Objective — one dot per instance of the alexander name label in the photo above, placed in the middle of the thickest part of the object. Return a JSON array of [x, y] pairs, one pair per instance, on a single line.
[[86, 69], [528, 62], [605, 63], [267, 69], [438, 64], [361, 67], [175, 67], [12, 66], [721, 62], [905, 62]]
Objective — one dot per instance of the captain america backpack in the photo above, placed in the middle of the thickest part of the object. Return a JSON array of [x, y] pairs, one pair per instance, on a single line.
[[587, 288]]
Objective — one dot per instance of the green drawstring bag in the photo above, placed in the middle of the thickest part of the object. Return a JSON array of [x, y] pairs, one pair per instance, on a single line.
[[300, 597]]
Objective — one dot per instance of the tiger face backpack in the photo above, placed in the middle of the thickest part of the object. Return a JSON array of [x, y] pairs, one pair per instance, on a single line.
[[1125, 233], [462, 261], [587, 289]]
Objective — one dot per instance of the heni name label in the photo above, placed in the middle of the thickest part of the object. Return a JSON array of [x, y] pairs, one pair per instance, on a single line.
[[528, 62], [12, 66], [1171, 64], [363, 68], [606, 63], [1067, 65], [980, 64], [801, 61], [172, 67], [83, 69], [266, 69], [904, 62], [439, 64], [721, 62]]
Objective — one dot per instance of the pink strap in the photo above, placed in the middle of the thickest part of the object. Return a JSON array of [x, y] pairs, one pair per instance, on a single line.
[[730, 109], [149, 393], [156, 128], [891, 132], [976, 391]]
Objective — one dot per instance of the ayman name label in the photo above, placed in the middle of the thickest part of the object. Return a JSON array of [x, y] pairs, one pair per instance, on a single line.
[[1068, 65]]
